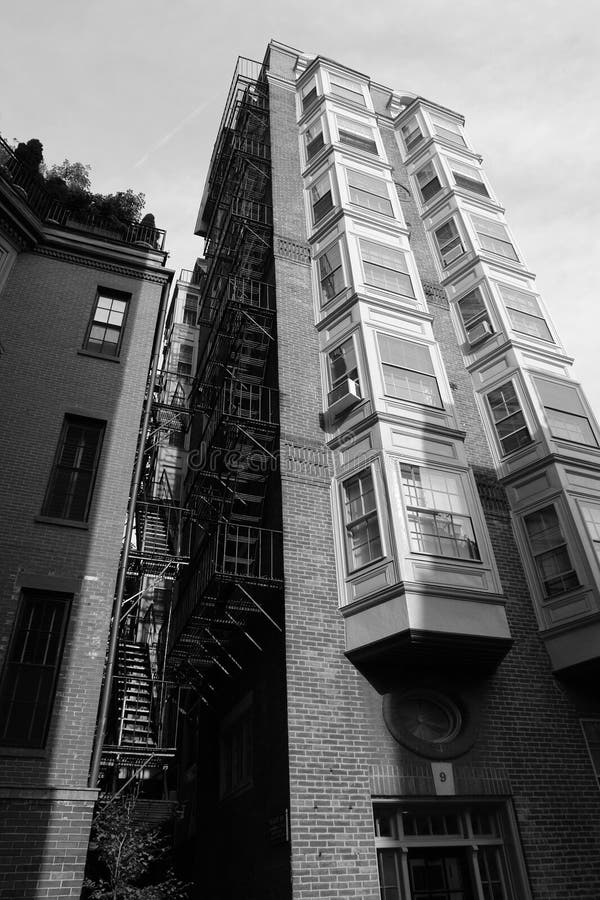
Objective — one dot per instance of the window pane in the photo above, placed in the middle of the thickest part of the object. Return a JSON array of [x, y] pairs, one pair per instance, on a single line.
[[570, 427], [369, 192], [347, 89], [386, 268], [475, 185], [493, 236], [109, 311], [449, 132], [355, 134], [72, 477], [412, 135], [331, 272], [550, 551], [342, 363], [509, 420], [29, 678], [472, 307]]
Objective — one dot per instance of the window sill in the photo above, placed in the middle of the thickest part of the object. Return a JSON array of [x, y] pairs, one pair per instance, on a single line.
[[65, 523], [22, 752], [113, 359]]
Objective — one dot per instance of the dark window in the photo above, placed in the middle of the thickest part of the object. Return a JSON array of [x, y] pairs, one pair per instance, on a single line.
[[550, 553], [321, 197], [74, 470], [314, 139], [508, 417], [411, 134], [356, 135], [190, 310], [105, 331], [470, 180], [474, 314], [449, 242], [184, 360], [362, 523], [310, 96], [331, 272], [429, 183], [31, 669]]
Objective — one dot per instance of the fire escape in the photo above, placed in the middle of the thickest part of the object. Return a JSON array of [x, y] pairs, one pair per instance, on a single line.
[[204, 574], [235, 575]]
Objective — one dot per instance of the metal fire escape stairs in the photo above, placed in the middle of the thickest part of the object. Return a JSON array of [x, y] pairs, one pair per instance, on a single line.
[[235, 560]]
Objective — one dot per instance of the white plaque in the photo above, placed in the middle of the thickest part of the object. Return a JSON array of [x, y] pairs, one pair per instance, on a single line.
[[443, 778]]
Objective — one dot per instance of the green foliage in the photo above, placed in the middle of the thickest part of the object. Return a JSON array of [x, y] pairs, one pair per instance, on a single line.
[[70, 184], [129, 860]]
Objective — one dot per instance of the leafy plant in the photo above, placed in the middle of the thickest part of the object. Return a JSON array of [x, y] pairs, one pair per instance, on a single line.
[[129, 860]]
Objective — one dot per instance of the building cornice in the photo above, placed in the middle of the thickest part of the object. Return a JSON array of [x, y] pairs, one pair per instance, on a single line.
[[104, 265]]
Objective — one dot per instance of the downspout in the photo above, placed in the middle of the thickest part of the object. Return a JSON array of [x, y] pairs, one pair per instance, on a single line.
[[120, 587]]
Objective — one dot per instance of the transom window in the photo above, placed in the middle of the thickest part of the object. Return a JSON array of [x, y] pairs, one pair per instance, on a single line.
[[386, 267], [469, 178], [449, 131], [428, 181], [321, 197], [408, 371], [524, 313], [565, 412], [493, 236], [331, 272], [475, 316], [411, 134], [314, 139], [105, 331], [31, 669], [449, 241], [369, 192], [362, 522], [71, 482], [437, 512], [447, 852], [508, 418], [347, 89], [550, 553], [356, 134]]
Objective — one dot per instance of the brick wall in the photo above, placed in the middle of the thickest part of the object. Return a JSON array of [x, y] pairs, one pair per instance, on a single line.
[[529, 742], [45, 308]]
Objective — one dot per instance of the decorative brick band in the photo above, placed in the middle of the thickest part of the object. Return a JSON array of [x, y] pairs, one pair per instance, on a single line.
[[77, 260], [491, 494], [413, 781], [309, 460], [297, 251], [435, 293]]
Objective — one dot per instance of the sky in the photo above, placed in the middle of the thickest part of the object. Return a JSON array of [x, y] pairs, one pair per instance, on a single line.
[[135, 89]]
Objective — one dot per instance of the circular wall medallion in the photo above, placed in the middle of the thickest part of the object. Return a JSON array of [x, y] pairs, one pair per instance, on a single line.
[[428, 722]]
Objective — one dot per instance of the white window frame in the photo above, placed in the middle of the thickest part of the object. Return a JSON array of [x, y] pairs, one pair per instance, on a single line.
[[447, 249], [473, 181], [366, 516], [509, 385], [318, 125], [450, 525], [323, 177], [407, 133], [494, 240], [587, 509], [356, 140], [474, 324], [429, 164], [322, 276], [351, 92], [563, 415], [429, 373], [354, 373], [513, 312], [396, 257], [307, 91], [560, 548], [385, 195], [447, 131]]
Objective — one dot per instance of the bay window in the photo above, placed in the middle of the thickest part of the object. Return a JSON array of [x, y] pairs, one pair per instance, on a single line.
[[408, 372], [565, 413], [550, 553], [369, 192], [321, 197], [356, 134], [493, 236], [331, 272], [428, 181], [363, 534], [475, 316], [508, 418], [449, 242], [386, 268], [524, 313], [439, 523]]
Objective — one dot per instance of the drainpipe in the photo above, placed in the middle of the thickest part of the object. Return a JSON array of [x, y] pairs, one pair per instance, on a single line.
[[120, 588]]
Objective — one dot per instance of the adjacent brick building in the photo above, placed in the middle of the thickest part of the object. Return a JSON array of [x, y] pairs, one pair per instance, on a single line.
[[79, 303], [388, 632]]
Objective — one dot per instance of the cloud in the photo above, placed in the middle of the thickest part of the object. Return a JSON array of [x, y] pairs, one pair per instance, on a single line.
[[170, 134]]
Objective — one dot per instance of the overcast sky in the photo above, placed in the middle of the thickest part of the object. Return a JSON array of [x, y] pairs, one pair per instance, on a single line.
[[135, 88]]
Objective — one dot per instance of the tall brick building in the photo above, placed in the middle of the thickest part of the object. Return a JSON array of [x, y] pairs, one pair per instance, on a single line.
[[79, 302], [389, 630]]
